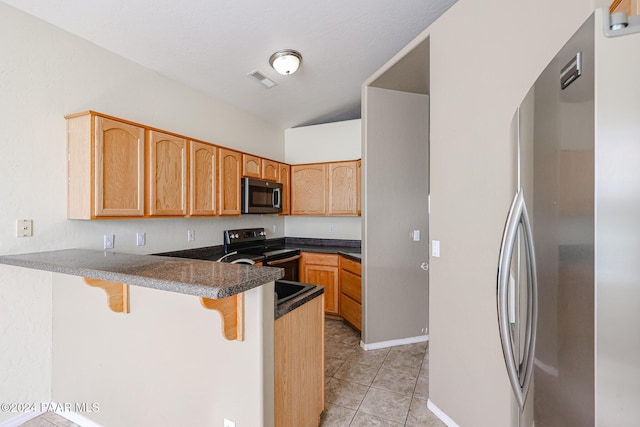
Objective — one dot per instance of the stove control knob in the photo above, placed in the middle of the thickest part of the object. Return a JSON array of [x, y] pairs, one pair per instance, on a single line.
[[236, 235]]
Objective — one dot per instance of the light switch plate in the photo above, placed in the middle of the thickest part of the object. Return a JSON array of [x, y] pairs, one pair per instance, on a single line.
[[141, 239], [191, 235], [435, 248], [416, 235]]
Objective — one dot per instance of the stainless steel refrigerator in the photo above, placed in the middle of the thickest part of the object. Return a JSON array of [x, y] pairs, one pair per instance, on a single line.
[[568, 293]]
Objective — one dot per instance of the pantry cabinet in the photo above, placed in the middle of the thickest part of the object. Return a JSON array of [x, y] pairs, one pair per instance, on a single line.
[[284, 178], [323, 270], [202, 179], [105, 167], [229, 174], [167, 160]]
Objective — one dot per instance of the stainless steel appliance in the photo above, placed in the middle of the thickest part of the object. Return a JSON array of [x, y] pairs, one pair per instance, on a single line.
[[252, 243], [568, 292], [261, 197]]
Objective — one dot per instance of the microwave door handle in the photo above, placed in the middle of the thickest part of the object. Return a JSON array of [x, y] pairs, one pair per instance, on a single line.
[[275, 198]]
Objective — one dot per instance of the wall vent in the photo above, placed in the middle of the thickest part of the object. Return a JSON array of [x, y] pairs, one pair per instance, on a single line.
[[266, 81]]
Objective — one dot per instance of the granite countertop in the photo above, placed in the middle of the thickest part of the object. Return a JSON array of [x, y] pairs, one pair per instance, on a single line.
[[187, 276], [292, 304]]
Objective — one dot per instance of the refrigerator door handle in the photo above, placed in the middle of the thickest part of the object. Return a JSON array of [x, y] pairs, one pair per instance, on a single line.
[[519, 373]]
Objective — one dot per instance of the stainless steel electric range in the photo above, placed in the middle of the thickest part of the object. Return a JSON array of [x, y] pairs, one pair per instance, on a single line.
[[250, 245]]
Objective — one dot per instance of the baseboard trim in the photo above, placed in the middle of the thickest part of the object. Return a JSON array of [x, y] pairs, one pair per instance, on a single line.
[[393, 343], [440, 414], [75, 417], [81, 420], [20, 419]]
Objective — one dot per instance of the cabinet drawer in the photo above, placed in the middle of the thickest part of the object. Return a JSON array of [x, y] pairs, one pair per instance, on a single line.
[[352, 266], [321, 259], [351, 311], [351, 285]]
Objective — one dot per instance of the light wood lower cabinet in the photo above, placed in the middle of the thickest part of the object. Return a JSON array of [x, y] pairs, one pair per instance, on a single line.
[[351, 292], [299, 366], [323, 270]]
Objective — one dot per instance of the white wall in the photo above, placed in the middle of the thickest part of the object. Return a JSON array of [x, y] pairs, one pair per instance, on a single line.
[[165, 363], [484, 57], [323, 143], [46, 73]]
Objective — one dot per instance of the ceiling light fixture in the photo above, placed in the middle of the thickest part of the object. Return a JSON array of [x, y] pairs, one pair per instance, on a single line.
[[286, 61]]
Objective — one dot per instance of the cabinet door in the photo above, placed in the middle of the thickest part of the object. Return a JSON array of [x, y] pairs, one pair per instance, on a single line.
[[202, 179], [284, 178], [251, 166], [359, 187], [299, 366], [269, 170], [308, 189], [229, 171], [323, 270], [119, 168], [167, 174], [343, 190]]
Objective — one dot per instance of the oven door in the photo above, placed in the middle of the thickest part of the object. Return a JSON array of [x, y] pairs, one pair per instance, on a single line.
[[290, 265]]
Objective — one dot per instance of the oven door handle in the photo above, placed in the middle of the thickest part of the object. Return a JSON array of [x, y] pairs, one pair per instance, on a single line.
[[283, 261]]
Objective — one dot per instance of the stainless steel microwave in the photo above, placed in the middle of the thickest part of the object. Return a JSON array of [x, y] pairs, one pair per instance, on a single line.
[[261, 197]]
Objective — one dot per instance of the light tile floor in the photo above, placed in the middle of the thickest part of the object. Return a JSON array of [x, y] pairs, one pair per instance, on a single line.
[[387, 387], [49, 419]]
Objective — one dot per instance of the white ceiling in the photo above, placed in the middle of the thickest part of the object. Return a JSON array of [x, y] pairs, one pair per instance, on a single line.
[[212, 45]]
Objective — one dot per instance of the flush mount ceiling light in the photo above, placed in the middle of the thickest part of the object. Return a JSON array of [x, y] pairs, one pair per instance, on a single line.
[[286, 61]]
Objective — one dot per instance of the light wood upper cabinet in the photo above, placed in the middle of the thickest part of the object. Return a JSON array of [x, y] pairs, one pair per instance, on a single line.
[[202, 179], [326, 189], [105, 167], [323, 270], [284, 178], [167, 174], [308, 189], [343, 191], [229, 174], [270, 170], [251, 166], [359, 187]]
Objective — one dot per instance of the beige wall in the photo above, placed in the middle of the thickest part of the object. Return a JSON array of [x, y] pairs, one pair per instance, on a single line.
[[323, 143], [164, 364], [396, 182], [484, 57], [46, 73]]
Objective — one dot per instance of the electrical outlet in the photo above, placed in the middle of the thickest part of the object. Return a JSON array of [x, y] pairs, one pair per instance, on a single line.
[[24, 228], [109, 240], [275, 228], [229, 423], [141, 239], [331, 229], [191, 235]]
